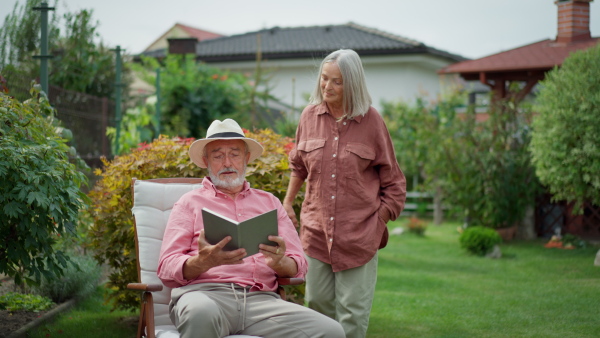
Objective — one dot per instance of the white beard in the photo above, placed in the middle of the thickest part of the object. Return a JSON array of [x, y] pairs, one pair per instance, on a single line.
[[227, 183]]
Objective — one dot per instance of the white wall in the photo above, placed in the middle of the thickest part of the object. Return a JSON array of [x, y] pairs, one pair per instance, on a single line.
[[390, 78]]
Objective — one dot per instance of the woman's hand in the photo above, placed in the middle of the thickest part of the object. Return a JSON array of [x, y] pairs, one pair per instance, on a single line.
[[291, 213]]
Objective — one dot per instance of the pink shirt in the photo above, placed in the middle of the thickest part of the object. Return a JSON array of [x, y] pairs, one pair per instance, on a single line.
[[351, 172], [180, 240]]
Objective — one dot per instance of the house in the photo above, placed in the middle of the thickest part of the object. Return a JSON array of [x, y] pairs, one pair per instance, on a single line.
[[181, 31], [528, 65], [396, 68]]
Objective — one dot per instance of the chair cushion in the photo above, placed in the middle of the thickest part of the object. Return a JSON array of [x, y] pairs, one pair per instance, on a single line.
[[152, 206]]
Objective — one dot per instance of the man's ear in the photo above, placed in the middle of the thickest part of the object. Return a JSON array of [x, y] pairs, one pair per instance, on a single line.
[[205, 160], [247, 157]]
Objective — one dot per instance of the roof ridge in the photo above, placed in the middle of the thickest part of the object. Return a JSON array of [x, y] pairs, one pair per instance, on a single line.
[[385, 34]]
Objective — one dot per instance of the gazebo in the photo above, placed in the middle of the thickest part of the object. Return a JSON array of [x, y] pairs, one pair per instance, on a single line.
[[528, 65]]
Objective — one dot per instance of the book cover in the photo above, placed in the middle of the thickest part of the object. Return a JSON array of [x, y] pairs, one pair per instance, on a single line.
[[247, 234]]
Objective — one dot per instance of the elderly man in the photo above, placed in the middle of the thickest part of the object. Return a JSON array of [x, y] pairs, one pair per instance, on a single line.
[[216, 292]]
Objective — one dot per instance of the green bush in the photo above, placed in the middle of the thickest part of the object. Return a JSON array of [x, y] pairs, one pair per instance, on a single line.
[[79, 280], [39, 189], [565, 141], [112, 234], [14, 301], [479, 240]]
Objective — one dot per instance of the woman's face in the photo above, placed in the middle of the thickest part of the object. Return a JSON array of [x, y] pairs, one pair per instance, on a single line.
[[332, 85]]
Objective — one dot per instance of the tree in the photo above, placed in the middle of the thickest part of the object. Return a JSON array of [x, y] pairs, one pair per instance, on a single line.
[[566, 132], [39, 189], [482, 169], [81, 62], [20, 34], [195, 94]]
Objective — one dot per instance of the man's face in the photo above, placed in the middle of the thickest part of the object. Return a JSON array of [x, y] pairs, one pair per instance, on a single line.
[[226, 161]]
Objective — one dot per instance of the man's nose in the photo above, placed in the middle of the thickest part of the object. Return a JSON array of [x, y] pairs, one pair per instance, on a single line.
[[227, 161]]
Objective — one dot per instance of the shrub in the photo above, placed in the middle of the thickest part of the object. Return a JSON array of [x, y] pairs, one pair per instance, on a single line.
[[479, 240], [39, 189], [79, 280], [416, 226], [112, 234], [14, 301], [565, 139]]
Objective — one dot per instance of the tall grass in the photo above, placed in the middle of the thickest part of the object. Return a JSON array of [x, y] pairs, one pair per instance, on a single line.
[[430, 287]]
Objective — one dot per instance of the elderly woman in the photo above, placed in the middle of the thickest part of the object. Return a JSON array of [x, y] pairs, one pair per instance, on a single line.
[[354, 187]]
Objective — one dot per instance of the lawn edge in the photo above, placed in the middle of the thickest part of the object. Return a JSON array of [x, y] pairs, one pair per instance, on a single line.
[[48, 316]]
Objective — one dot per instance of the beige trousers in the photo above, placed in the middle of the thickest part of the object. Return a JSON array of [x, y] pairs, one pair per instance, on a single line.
[[217, 310], [346, 296]]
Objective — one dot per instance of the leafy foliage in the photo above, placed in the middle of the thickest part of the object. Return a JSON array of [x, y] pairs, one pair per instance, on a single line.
[[80, 61], [482, 168], [20, 34], [39, 189], [79, 280], [416, 226], [566, 138], [135, 129], [479, 240], [14, 301], [194, 94], [113, 234]]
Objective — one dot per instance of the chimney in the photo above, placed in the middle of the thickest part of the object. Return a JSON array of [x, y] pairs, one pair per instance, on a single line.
[[573, 20], [182, 45]]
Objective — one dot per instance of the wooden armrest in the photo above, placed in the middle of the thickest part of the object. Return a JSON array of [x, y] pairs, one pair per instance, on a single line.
[[145, 287], [290, 281]]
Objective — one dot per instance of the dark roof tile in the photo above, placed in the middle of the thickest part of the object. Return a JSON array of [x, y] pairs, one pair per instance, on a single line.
[[317, 41]]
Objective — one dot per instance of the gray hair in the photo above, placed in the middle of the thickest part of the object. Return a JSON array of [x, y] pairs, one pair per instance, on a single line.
[[356, 101]]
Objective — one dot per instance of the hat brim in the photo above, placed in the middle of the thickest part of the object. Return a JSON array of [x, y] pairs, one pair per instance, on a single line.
[[197, 149]]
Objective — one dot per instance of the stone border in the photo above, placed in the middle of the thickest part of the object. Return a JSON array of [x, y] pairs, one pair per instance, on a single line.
[[48, 316]]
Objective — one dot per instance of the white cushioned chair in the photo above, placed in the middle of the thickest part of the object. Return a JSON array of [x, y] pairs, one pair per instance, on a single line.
[[152, 203]]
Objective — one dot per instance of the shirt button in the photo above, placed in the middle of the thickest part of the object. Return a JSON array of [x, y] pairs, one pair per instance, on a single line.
[[331, 239], [239, 214], [335, 138], [332, 197], [331, 219], [334, 155], [344, 123], [333, 175]]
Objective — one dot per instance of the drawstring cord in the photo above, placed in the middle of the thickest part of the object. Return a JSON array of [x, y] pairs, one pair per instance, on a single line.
[[239, 306]]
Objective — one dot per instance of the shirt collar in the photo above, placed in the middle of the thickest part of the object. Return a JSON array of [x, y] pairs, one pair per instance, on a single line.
[[322, 109]]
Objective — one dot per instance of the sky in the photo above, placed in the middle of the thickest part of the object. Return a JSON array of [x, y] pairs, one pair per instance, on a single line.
[[470, 28]]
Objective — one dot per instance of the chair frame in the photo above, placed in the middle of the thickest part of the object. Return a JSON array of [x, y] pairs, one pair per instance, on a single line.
[[146, 321]]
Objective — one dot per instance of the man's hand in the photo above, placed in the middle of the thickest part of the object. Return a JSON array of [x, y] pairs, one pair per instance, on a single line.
[[210, 256], [291, 213], [276, 259]]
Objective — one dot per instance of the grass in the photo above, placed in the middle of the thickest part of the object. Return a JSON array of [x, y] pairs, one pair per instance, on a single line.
[[429, 287], [91, 318]]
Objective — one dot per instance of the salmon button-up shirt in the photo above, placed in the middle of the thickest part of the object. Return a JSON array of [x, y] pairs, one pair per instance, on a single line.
[[351, 172], [180, 240]]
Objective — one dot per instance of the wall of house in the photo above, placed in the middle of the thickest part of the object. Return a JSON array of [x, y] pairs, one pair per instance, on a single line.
[[389, 78]]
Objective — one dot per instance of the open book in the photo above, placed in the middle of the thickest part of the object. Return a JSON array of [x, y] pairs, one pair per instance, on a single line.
[[247, 234]]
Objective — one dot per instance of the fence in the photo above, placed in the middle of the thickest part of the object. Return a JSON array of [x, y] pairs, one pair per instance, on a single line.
[[418, 203], [85, 115]]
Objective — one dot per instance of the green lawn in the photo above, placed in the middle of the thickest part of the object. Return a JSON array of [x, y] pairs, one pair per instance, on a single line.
[[430, 287], [91, 318]]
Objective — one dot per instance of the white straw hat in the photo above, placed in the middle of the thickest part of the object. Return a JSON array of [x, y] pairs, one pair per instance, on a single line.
[[226, 130]]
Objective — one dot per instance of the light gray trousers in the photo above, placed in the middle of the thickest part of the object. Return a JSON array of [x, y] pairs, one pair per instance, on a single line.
[[217, 310], [346, 296]]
